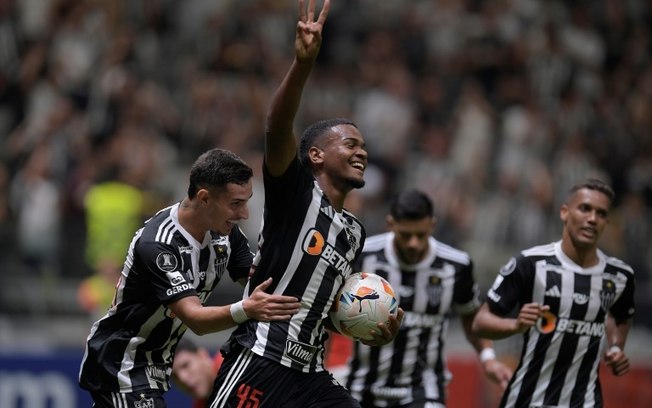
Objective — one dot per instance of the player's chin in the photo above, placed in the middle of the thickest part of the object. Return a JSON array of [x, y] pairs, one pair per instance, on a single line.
[[356, 182]]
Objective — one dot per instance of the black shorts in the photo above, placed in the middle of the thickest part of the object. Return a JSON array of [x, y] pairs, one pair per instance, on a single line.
[[140, 399], [247, 380]]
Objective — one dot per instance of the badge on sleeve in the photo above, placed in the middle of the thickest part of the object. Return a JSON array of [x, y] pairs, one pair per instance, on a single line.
[[166, 262]]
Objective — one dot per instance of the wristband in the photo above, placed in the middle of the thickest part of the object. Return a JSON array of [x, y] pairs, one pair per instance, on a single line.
[[614, 349], [238, 313], [487, 354]]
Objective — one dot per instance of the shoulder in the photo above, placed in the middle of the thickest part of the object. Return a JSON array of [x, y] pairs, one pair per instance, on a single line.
[[377, 242], [450, 253], [539, 251], [617, 265]]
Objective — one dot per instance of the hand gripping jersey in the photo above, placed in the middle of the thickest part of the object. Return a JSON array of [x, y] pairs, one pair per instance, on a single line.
[[561, 353], [132, 346], [413, 365], [308, 248]]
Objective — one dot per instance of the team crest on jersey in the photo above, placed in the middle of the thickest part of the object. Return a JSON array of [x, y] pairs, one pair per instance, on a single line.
[[607, 294], [166, 261], [434, 290], [144, 402], [509, 267], [221, 260]]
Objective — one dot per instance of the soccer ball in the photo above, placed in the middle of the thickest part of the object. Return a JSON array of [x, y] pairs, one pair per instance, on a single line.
[[363, 301]]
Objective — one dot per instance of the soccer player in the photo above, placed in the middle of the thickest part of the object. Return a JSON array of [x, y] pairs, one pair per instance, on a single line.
[[173, 263], [574, 305], [431, 280], [194, 370], [308, 243]]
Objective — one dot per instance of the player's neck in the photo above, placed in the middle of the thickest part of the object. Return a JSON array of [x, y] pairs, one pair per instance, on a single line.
[[188, 219], [583, 257], [335, 195]]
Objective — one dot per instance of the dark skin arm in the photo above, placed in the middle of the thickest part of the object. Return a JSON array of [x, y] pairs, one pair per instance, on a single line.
[[280, 141]]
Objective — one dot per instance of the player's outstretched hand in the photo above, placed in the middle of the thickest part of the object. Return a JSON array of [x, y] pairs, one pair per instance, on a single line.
[[265, 307], [617, 360], [497, 372], [385, 333], [308, 38]]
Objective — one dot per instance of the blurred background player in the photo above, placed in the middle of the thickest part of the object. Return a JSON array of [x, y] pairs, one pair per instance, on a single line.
[[575, 306], [194, 370], [432, 279]]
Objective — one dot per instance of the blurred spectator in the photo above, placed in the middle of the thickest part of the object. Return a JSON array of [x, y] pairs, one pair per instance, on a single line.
[[485, 105]]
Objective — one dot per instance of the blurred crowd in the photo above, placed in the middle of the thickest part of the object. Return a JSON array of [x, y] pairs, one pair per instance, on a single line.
[[494, 108]]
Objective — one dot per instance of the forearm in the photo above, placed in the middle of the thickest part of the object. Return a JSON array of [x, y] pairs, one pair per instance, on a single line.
[[202, 319], [490, 326], [477, 342], [617, 332], [285, 104]]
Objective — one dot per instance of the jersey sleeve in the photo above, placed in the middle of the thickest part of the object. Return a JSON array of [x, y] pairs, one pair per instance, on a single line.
[[512, 286], [623, 307], [465, 294], [241, 255], [163, 271]]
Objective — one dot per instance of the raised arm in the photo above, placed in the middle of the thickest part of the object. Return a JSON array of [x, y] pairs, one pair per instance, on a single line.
[[280, 142]]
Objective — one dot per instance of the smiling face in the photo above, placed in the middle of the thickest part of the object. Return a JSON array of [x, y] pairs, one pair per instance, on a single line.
[[342, 155], [225, 207], [585, 216]]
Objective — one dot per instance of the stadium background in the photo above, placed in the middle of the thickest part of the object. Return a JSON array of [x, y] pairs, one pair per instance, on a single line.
[[492, 107]]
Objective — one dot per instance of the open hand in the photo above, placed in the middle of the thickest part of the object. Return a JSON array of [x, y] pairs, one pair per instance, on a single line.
[[265, 307]]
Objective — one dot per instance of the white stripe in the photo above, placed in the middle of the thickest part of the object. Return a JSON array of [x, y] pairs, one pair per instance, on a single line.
[[232, 378]]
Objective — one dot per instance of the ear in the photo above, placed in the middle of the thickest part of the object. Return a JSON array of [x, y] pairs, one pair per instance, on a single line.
[[389, 220], [316, 155], [203, 196], [563, 212]]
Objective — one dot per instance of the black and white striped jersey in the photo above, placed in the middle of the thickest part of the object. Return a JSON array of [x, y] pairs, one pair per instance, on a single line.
[[132, 346], [561, 353], [308, 249], [413, 366]]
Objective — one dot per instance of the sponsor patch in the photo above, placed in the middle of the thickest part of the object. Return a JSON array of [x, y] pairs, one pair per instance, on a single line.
[[175, 278], [302, 353], [166, 262]]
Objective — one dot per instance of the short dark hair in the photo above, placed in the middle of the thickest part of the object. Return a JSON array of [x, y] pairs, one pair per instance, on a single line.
[[594, 184], [314, 132], [187, 344], [411, 205], [215, 169]]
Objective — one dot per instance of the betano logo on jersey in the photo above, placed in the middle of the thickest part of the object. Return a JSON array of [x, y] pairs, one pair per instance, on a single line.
[[549, 323], [314, 244]]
